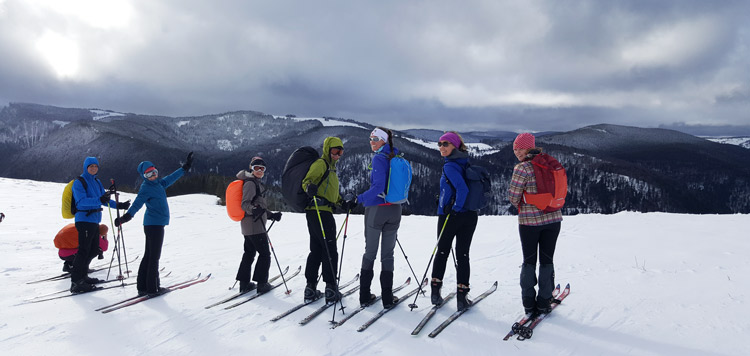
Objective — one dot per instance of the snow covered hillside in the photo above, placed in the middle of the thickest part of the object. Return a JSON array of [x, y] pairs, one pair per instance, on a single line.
[[642, 284]]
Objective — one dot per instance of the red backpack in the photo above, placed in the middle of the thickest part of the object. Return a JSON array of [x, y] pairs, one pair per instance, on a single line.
[[551, 184]]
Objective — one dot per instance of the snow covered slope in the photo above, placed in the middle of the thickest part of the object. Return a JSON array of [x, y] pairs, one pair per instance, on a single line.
[[642, 284]]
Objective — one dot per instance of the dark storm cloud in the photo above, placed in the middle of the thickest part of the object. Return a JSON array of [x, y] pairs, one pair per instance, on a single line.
[[507, 65]]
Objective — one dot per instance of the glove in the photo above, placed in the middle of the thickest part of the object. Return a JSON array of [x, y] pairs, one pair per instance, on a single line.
[[188, 162], [123, 205], [349, 204], [123, 219], [275, 216], [312, 190], [258, 211], [105, 198]]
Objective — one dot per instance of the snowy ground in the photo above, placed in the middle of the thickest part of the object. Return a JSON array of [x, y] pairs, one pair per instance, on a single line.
[[642, 284]]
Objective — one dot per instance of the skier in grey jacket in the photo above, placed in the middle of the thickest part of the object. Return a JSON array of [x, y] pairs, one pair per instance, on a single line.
[[254, 228]]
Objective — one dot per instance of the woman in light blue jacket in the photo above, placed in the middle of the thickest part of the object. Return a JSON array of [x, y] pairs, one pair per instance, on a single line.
[[153, 194]]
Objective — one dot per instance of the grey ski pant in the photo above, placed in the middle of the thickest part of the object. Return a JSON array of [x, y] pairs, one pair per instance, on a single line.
[[381, 220]]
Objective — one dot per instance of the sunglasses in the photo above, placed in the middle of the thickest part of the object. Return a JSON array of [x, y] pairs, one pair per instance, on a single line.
[[337, 151], [259, 168], [151, 173], [444, 144], [374, 139]]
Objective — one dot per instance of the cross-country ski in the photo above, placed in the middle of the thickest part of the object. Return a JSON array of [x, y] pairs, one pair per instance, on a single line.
[[458, 313], [239, 294], [256, 295]]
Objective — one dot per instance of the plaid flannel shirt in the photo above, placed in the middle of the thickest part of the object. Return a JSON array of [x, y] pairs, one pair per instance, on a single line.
[[524, 180]]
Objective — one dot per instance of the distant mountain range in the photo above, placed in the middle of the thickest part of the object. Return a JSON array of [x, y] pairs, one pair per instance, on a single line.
[[610, 168]]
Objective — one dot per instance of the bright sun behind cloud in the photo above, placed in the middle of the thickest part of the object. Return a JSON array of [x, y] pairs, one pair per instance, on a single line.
[[60, 52]]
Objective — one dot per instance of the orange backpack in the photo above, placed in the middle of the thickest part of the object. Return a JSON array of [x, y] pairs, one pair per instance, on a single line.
[[233, 199], [67, 237]]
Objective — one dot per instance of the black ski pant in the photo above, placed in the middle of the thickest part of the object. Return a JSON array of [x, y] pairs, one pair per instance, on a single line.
[[88, 248], [322, 251], [460, 226], [257, 243], [543, 239], [148, 271]]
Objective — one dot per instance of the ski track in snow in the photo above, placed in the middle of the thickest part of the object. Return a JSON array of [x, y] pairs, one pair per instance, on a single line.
[[641, 284]]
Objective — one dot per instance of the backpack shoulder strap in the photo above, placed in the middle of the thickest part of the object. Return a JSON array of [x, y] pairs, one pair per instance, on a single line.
[[257, 189], [83, 181], [325, 175]]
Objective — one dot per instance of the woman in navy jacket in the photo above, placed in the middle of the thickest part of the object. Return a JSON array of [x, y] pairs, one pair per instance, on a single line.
[[153, 194], [454, 219], [381, 219]]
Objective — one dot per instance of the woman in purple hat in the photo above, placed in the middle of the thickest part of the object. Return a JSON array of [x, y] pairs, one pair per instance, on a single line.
[[454, 219], [538, 230]]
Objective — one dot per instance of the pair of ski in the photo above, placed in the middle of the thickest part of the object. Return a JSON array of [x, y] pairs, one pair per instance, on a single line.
[[453, 316], [525, 332], [318, 297], [137, 299], [383, 311], [256, 295], [98, 287], [239, 294], [66, 275]]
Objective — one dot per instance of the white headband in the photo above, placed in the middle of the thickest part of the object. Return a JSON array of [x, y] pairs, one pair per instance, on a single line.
[[382, 135]]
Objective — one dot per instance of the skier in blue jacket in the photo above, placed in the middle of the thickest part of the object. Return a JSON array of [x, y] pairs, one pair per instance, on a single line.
[[381, 219], [153, 194], [454, 219], [89, 199]]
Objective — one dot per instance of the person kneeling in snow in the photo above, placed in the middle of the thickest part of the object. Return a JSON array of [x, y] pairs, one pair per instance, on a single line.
[[66, 241], [153, 194]]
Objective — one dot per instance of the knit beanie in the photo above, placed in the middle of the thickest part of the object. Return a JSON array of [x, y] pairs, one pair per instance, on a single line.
[[452, 138], [523, 141], [257, 161]]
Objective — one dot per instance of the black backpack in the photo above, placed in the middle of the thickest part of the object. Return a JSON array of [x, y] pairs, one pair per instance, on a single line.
[[295, 170]]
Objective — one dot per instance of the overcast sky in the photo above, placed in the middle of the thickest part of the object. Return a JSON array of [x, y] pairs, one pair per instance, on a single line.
[[463, 65]]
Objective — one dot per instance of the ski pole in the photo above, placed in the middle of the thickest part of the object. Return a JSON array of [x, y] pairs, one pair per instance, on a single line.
[[341, 264], [288, 291], [409, 264], [325, 243], [119, 229], [116, 248], [414, 305], [337, 239]]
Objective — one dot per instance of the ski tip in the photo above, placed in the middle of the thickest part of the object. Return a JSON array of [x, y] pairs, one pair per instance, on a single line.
[[495, 284], [567, 286]]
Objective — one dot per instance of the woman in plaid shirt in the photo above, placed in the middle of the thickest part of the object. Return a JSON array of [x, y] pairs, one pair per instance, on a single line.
[[538, 230]]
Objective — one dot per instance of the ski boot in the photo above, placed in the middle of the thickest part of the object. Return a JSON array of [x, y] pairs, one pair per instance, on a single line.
[[312, 294], [435, 285], [332, 294], [463, 302]]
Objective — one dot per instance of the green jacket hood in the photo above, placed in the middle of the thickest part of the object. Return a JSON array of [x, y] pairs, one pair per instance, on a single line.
[[329, 143]]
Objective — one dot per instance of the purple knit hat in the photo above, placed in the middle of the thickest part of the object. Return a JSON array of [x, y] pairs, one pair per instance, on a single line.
[[452, 138]]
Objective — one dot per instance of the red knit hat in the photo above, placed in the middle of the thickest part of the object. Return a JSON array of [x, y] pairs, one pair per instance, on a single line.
[[523, 141]]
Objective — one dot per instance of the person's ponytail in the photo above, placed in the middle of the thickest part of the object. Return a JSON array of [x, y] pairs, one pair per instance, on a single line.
[[390, 141]]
